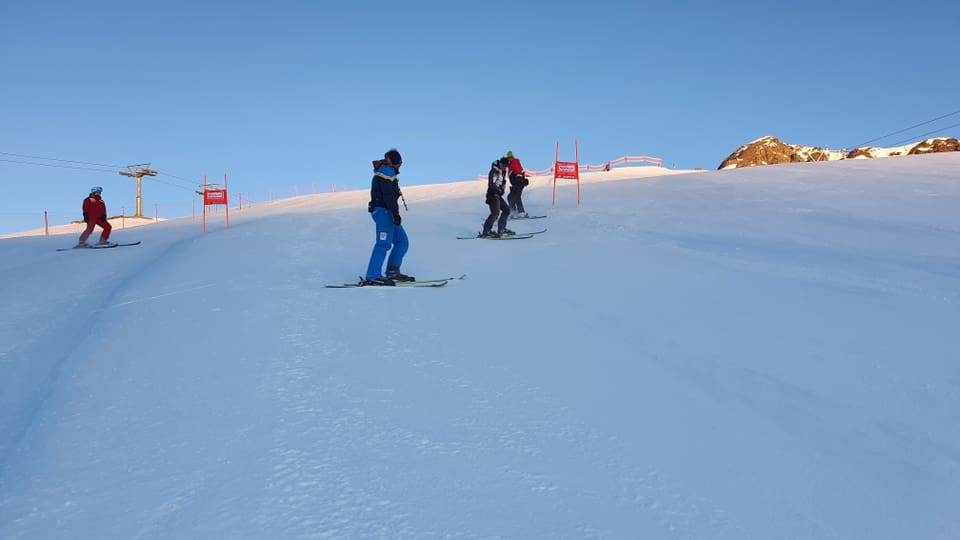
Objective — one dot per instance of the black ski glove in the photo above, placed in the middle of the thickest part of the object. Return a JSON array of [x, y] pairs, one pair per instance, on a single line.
[[396, 219], [85, 218]]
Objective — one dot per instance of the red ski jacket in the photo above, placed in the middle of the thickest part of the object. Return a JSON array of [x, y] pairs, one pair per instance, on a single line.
[[515, 166], [94, 210]]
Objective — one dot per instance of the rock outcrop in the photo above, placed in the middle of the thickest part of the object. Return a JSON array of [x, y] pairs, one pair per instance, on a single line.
[[770, 150]]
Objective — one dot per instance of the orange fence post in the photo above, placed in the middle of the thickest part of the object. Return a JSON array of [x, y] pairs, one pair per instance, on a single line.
[[225, 200]]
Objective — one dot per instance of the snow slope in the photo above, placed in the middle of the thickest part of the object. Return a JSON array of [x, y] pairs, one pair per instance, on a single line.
[[758, 353]]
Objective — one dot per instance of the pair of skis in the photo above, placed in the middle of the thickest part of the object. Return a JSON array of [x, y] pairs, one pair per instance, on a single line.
[[400, 284], [518, 236], [100, 246]]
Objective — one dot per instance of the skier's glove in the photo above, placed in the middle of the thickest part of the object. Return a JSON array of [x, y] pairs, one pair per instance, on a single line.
[[396, 219], [85, 218]]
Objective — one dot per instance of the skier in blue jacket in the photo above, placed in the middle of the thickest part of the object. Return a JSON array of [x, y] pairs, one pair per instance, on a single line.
[[385, 211]]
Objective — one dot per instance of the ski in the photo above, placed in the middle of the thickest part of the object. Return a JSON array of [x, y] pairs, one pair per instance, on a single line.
[[95, 246], [436, 280], [527, 217], [440, 282], [513, 237], [518, 236], [400, 284], [87, 247]]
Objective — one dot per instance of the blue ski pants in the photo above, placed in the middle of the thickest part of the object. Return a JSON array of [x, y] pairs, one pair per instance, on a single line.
[[388, 236]]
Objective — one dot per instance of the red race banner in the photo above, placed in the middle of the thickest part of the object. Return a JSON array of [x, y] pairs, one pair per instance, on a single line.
[[567, 169], [214, 196]]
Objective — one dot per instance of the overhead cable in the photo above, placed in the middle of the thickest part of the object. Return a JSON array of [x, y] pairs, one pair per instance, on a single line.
[[61, 160], [915, 137], [909, 128]]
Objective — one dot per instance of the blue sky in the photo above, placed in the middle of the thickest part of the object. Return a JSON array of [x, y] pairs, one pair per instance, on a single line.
[[285, 93]]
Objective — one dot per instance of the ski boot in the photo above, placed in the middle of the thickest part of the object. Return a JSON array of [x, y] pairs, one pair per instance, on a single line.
[[394, 273]]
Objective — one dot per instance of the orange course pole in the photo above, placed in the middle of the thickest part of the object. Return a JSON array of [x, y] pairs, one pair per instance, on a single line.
[[226, 200]]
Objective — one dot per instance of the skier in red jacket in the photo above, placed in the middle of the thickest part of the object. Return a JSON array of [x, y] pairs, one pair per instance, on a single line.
[[95, 213], [518, 181]]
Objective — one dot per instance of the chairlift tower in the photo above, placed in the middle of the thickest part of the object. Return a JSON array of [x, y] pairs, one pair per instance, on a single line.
[[138, 171]]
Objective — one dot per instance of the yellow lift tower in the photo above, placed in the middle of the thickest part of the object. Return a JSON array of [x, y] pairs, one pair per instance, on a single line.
[[138, 171]]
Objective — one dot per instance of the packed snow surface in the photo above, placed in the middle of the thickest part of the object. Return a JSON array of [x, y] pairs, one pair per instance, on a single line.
[[759, 353]]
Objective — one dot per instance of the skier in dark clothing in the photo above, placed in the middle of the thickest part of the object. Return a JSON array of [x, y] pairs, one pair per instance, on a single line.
[[518, 181], [385, 211], [499, 211], [94, 214]]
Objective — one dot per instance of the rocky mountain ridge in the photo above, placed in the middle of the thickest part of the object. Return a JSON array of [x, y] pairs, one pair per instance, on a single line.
[[770, 150]]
